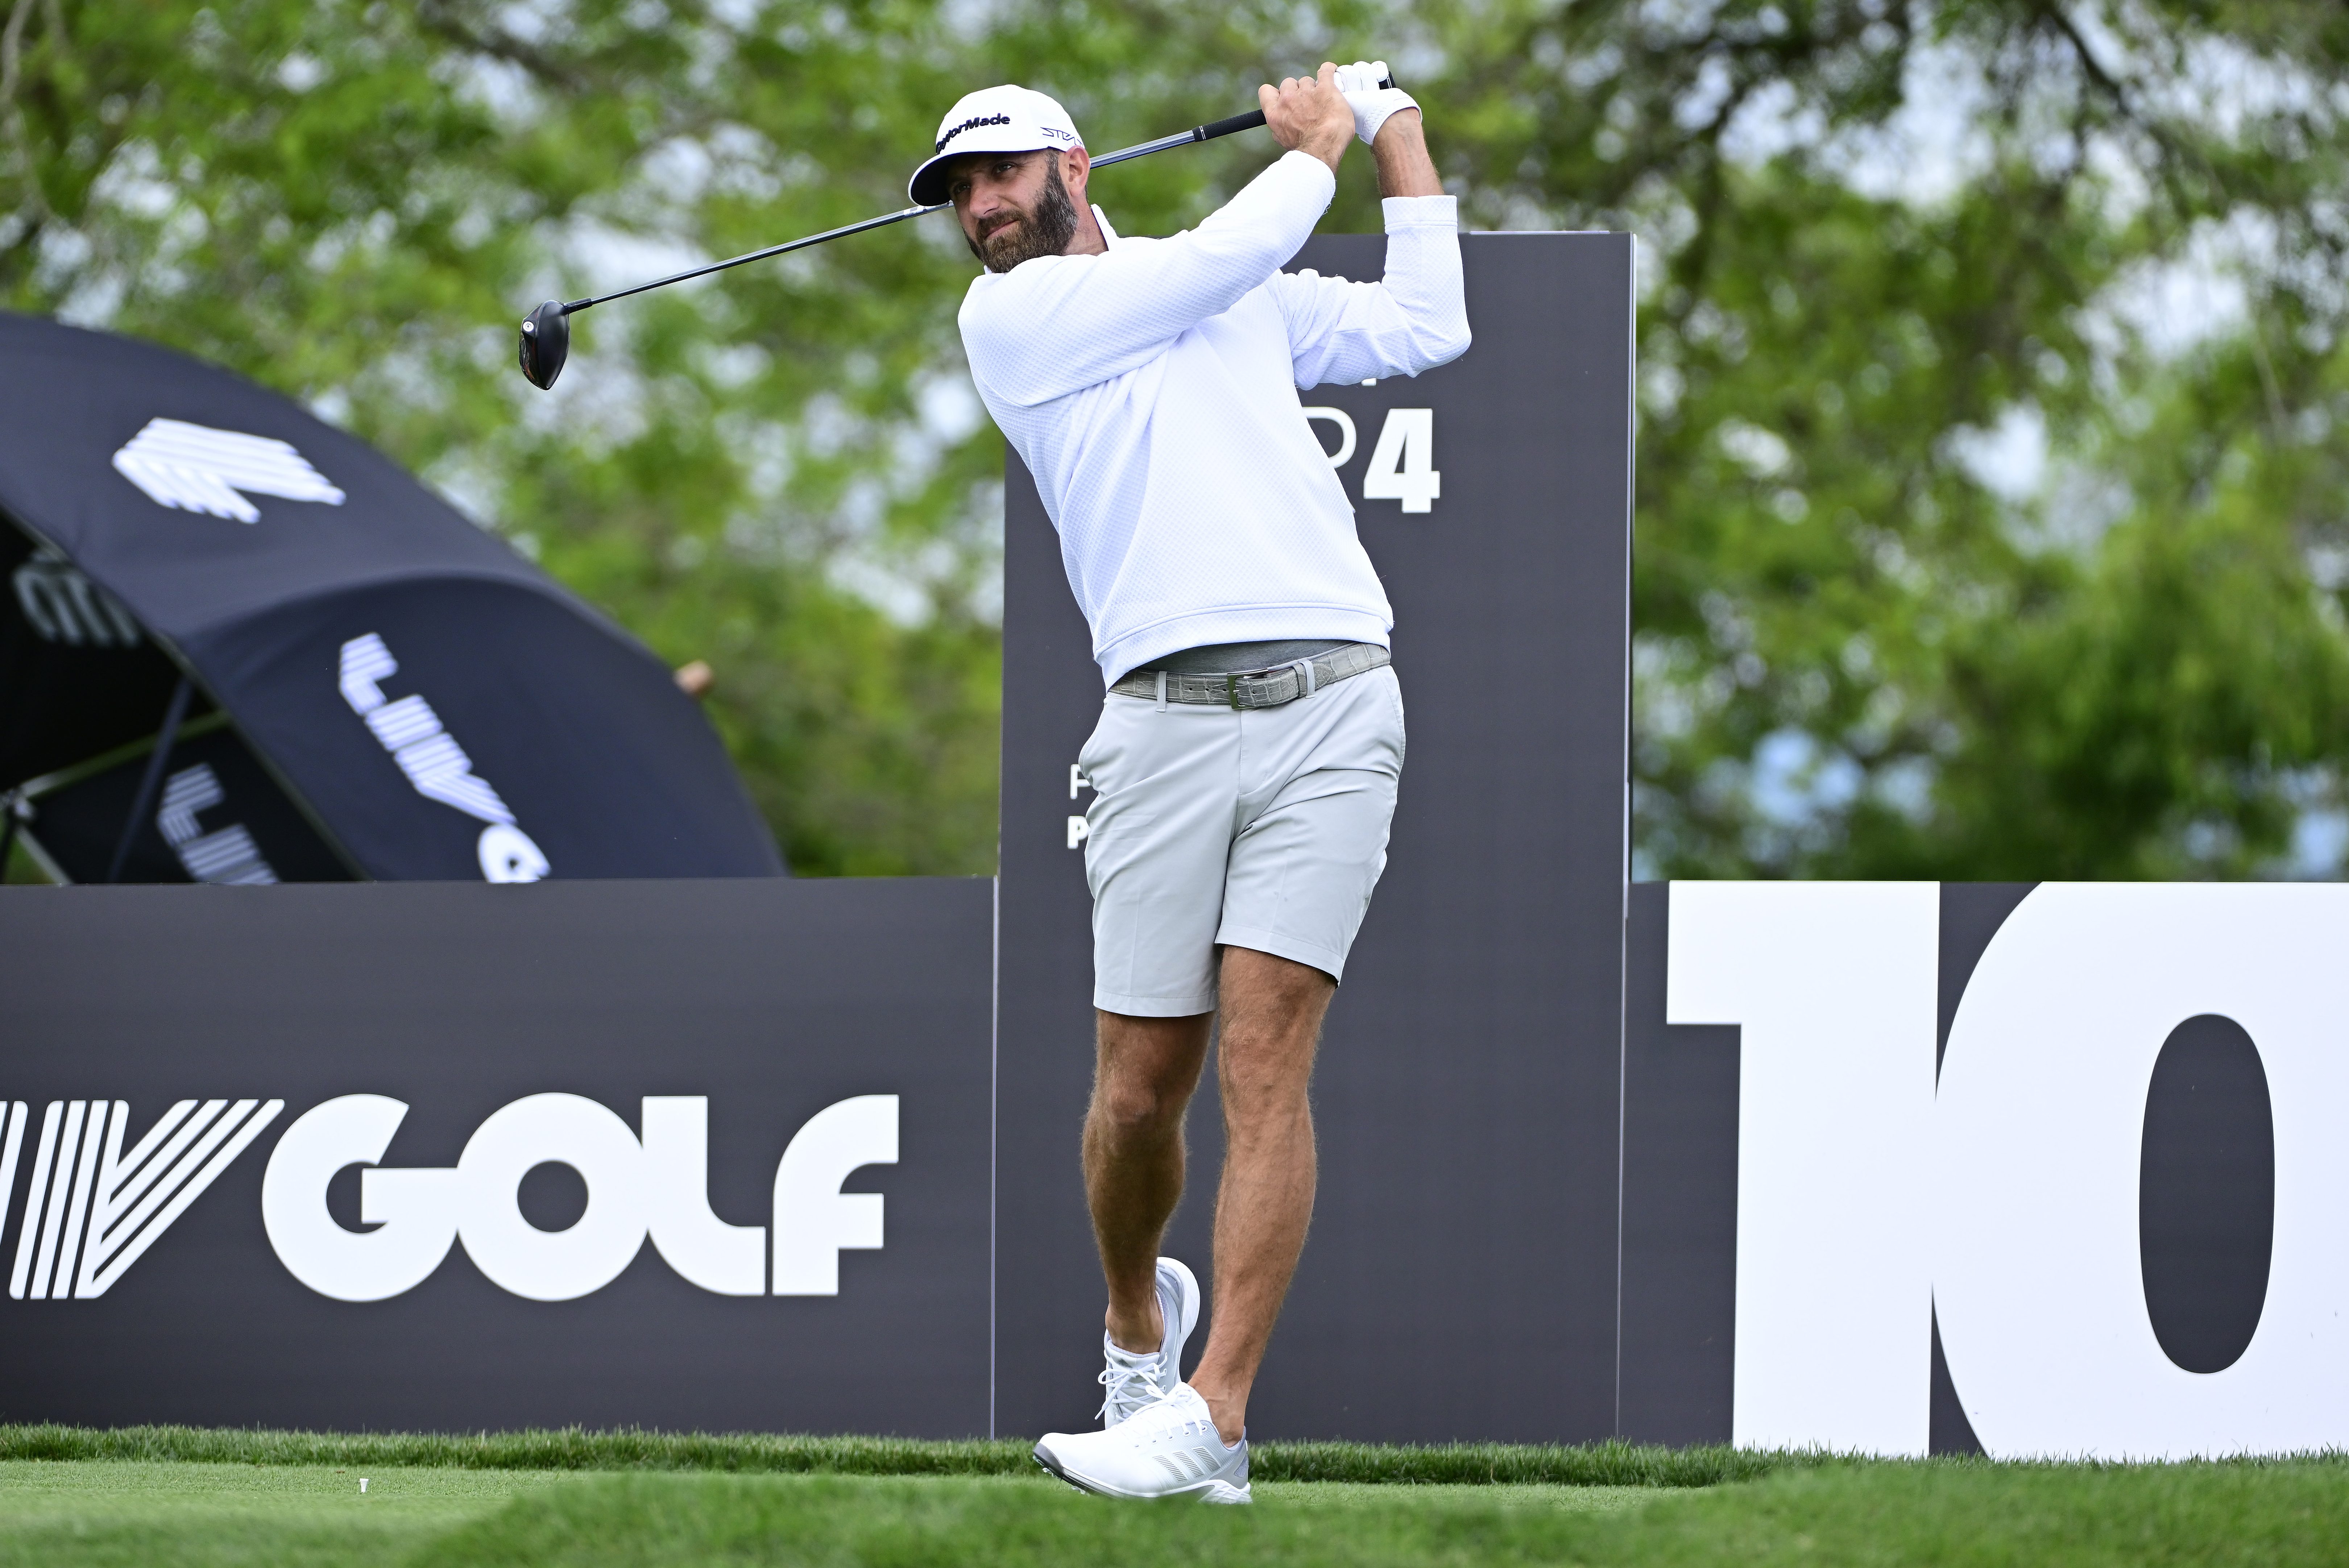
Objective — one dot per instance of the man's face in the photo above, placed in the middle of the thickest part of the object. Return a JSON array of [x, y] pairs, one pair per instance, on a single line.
[[1013, 206]]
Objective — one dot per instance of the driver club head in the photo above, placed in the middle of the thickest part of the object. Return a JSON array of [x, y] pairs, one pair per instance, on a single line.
[[546, 344]]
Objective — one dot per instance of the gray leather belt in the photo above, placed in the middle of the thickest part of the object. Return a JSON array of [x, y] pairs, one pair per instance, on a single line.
[[1255, 688]]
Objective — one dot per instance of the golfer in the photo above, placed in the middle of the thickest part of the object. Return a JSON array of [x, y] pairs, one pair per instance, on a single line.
[[1250, 742]]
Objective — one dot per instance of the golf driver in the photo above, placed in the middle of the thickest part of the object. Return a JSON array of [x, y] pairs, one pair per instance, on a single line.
[[546, 332]]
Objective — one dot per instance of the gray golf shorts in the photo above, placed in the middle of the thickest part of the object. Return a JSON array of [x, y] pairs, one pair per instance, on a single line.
[[1265, 828]]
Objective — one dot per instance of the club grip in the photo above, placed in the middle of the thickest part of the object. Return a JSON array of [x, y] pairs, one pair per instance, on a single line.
[[1247, 121]]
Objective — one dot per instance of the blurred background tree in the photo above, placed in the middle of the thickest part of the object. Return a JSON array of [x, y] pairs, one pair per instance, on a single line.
[[1989, 523]]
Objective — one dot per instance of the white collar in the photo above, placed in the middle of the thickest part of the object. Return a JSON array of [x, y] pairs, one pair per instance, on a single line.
[[1108, 236]]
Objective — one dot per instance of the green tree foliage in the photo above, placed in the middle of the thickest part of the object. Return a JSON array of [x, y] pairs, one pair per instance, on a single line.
[[1882, 245], [1859, 652]]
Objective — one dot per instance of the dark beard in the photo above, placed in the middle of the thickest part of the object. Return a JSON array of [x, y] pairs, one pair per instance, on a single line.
[[1046, 231]]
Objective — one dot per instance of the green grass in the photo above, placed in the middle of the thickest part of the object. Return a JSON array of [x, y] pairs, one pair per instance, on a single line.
[[163, 1515], [183, 1498], [2274, 1516], [571, 1449]]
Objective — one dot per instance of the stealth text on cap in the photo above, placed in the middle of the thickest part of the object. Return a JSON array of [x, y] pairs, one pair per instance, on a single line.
[[969, 124]]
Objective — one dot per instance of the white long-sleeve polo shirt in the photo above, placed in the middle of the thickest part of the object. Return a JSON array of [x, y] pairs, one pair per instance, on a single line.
[[1152, 391]]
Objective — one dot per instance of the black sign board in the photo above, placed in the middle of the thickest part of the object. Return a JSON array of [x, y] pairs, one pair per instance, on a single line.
[[649, 1076], [1459, 1282]]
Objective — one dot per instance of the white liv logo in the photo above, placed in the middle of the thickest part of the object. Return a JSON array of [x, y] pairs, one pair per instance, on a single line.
[[653, 1186], [93, 1210], [194, 468], [435, 764]]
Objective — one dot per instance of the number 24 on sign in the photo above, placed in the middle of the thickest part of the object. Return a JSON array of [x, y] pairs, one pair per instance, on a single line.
[[1402, 465]]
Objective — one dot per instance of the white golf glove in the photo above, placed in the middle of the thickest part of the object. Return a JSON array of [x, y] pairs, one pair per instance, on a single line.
[[1370, 103]]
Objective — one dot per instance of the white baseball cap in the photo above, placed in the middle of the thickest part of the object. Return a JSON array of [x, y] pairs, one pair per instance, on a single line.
[[992, 119]]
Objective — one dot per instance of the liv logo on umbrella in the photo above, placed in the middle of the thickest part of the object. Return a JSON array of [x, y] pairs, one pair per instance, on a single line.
[[177, 703], [435, 763], [194, 468]]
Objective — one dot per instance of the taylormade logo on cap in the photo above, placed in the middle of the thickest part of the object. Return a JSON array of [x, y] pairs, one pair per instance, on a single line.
[[993, 120], [969, 124]]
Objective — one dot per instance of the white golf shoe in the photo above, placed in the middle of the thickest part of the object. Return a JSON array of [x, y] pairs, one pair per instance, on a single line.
[[1130, 1379], [1167, 1449]]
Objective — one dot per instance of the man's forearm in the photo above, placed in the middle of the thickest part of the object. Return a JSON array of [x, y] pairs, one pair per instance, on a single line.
[[1404, 166]]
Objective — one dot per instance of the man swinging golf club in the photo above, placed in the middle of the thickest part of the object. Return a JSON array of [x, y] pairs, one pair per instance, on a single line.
[[1247, 759]]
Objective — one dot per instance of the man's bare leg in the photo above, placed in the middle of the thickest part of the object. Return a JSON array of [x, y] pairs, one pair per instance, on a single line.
[[1272, 1010], [1144, 1073]]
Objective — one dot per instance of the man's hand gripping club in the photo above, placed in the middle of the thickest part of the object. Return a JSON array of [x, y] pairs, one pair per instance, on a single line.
[[1320, 114], [1309, 114]]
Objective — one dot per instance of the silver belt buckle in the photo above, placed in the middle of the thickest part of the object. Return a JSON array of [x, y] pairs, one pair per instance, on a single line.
[[1232, 687]]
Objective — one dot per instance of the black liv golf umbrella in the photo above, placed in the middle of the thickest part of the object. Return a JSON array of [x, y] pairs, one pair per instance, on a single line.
[[243, 646]]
